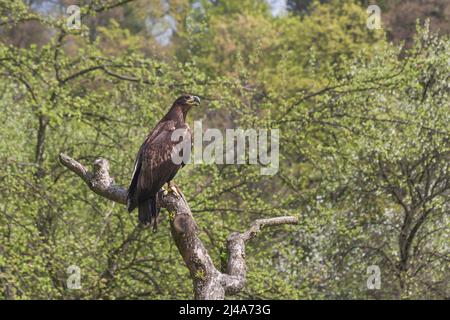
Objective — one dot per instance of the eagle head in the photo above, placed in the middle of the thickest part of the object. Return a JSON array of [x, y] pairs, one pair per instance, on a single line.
[[187, 101]]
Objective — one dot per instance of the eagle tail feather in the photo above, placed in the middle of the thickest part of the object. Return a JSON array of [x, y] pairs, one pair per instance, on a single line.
[[131, 205], [148, 212], [155, 212]]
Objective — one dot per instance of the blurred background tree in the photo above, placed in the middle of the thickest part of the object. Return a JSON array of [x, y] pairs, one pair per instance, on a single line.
[[364, 150]]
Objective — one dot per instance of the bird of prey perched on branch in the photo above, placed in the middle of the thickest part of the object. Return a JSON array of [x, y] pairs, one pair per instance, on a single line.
[[154, 165]]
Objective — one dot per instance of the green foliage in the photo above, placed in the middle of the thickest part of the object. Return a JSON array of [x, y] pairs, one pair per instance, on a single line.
[[364, 151]]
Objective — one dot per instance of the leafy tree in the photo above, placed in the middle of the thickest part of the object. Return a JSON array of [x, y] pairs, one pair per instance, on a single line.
[[364, 148]]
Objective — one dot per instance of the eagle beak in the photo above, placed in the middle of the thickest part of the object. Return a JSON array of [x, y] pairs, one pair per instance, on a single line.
[[194, 100]]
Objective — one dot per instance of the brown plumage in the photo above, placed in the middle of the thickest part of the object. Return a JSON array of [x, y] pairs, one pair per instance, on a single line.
[[154, 165]]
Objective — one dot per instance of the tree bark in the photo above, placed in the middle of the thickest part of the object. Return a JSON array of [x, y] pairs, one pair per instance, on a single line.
[[208, 282]]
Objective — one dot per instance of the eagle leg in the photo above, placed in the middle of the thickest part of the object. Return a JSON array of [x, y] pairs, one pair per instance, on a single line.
[[173, 188]]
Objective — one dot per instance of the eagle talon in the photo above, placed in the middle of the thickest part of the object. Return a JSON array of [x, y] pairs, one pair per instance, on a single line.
[[173, 189]]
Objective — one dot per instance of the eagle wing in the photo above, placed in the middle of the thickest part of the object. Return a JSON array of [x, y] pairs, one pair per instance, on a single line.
[[154, 165]]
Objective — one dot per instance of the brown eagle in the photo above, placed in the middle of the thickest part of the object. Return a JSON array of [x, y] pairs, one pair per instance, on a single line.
[[154, 165]]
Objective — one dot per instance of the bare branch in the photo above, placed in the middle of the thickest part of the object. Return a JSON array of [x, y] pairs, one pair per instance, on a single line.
[[208, 282], [99, 180], [234, 280], [260, 223]]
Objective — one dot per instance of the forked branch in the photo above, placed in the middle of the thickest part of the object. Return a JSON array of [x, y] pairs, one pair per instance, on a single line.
[[209, 283]]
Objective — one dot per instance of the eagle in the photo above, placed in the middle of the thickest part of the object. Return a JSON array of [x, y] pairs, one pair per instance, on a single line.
[[154, 165]]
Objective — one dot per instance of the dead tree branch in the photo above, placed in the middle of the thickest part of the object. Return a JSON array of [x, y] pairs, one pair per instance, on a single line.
[[208, 282]]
